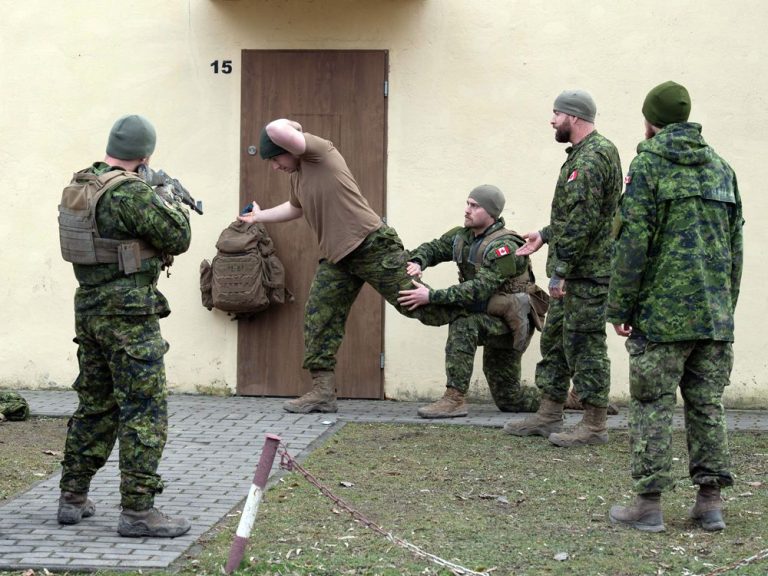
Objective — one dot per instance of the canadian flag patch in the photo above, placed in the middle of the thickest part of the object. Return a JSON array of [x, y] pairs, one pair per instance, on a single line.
[[503, 251], [628, 179], [573, 176]]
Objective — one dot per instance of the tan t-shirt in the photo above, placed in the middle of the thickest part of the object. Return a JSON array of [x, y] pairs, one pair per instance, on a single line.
[[324, 188]]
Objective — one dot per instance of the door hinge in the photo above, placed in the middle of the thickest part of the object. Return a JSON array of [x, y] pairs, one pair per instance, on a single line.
[[381, 361], [386, 88]]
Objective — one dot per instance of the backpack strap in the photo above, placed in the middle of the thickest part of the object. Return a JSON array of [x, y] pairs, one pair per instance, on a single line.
[[484, 245], [127, 253]]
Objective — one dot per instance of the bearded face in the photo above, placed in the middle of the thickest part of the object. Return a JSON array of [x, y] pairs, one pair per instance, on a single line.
[[562, 125], [563, 133]]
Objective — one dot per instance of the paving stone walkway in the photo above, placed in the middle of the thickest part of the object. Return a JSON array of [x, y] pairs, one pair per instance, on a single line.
[[213, 447]]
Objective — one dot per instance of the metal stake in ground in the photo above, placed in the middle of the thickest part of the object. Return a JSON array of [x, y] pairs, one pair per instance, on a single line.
[[252, 503]]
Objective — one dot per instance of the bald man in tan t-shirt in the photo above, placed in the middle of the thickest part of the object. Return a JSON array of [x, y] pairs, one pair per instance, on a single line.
[[355, 245]]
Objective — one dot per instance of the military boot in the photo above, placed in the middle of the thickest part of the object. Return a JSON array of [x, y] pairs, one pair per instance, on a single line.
[[591, 430], [547, 419], [514, 310], [707, 512], [73, 507], [644, 514], [322, 397], [573, 402], [152, 523], [451, 405]]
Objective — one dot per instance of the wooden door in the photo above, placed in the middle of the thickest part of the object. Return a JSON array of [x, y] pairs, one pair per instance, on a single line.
[[339, 95]]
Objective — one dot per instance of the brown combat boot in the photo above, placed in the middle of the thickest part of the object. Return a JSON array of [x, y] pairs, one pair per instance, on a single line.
[[73, 507], [591, 430], [152, 523], [707, 512], [644, 514], [451, 405], [514, 310], [573, 402], [322, 397], [547, 419]]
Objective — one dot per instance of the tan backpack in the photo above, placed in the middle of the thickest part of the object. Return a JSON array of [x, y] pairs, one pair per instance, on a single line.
[[246, 276]]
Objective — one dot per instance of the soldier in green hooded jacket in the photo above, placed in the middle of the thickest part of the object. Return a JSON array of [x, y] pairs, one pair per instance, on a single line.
[[675, 282], [119, 233], [484, 252]]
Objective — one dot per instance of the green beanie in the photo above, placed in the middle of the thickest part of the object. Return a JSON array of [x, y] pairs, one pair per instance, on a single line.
[[667, 103], [267, 148], [489, 198], [131, 137], [576, 103]]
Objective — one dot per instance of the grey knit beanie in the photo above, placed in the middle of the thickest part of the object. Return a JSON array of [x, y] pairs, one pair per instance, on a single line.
[[490, 198], [576, 103], [131, 137]]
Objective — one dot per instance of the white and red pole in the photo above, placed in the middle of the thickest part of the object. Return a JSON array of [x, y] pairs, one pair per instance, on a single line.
[[251, 507]]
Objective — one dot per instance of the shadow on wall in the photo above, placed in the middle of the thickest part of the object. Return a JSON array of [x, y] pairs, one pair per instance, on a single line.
[[285, 24]]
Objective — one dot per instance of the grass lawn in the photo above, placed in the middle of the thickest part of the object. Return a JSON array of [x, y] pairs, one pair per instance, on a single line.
[[481, 500], [489, 502]]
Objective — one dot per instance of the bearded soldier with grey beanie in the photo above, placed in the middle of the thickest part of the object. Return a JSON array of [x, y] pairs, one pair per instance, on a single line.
[[118, 241], [489, 272], [578, 236]]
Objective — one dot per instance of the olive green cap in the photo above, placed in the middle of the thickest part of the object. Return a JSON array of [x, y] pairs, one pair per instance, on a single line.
[[667, 103]]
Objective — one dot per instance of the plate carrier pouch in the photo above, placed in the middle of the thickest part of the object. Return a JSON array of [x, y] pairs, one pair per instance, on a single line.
[[246, 276], [518, 300], [78, 234]]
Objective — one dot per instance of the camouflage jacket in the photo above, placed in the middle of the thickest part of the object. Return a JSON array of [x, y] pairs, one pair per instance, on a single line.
[[131, 210], [585, 200], [679, 248], [476, 284]]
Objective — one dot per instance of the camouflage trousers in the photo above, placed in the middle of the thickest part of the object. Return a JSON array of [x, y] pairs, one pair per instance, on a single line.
[[379, 261], [122, 397], [573, 345], [702, 371], [501, 363]]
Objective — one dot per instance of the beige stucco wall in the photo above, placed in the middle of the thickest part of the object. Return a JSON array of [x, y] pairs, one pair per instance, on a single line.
[[471, 88]]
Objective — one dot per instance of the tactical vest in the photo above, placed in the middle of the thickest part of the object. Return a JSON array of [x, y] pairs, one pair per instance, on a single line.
[[476, 257], [79, 236]]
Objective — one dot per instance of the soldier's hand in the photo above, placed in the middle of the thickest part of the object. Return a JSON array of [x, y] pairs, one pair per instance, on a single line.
[[413, 298], [556, 287], [533, 242], [413, 269], [251, 215], [166, 193]]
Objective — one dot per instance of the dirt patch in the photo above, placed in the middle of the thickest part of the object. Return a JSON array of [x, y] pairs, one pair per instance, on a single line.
[[30, 451]]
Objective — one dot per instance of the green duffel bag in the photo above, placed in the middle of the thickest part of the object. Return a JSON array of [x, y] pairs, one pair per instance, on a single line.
[[13, 406]]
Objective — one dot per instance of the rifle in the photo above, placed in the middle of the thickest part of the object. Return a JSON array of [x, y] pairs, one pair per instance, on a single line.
[[160, 178]]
